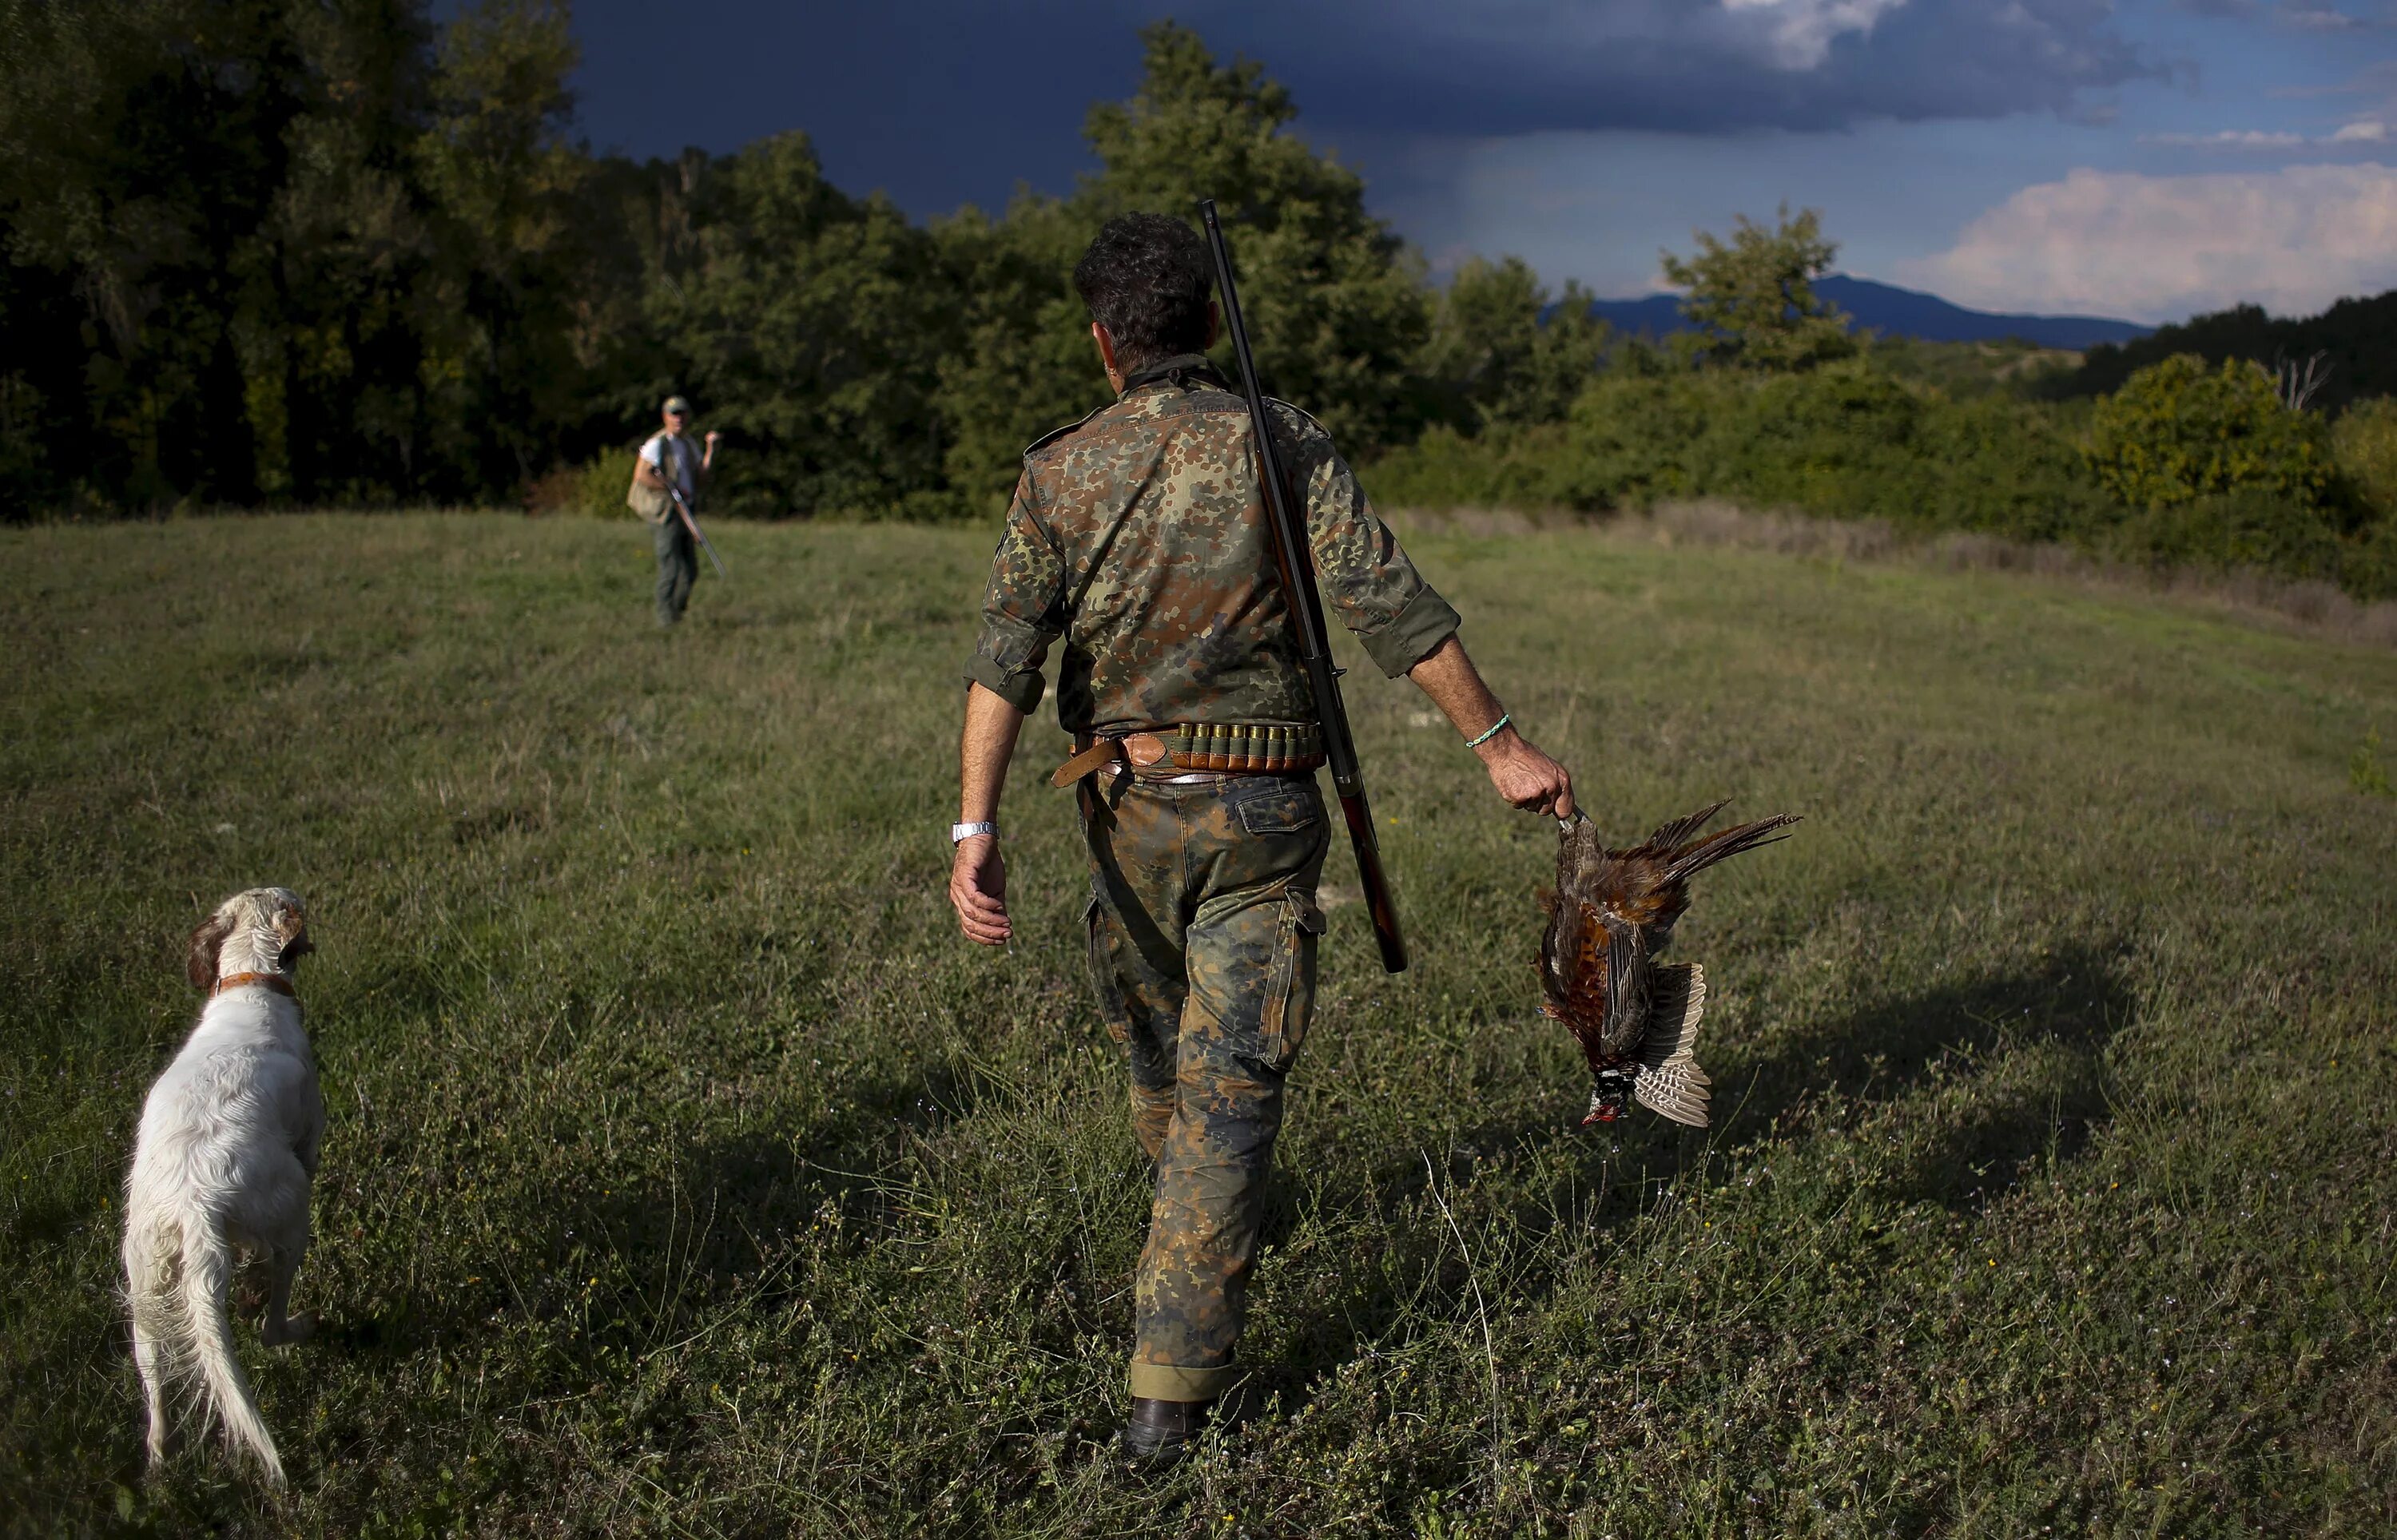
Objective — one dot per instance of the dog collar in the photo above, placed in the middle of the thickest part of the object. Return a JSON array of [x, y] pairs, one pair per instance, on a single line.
[[276, 982]]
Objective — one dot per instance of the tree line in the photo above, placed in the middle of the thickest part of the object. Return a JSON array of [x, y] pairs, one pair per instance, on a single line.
[[282, 253], [286, 253]]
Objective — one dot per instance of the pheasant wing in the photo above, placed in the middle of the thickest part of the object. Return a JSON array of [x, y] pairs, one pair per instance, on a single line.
[[1670, 1084], [1627, 986]]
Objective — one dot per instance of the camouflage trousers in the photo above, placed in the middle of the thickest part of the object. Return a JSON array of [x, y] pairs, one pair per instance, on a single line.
[[1202, 929]]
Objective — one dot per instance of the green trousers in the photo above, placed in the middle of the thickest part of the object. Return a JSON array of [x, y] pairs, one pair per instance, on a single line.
[[678, 568], [1202, 927]]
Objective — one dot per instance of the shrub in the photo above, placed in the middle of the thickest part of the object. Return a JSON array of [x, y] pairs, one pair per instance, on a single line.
[[1838, 441], [1847, 442], [2367, 567], [594, 488], [2364, 445], [2233, 529], [2177, 432], [1502, 468], [1628, 440], [2013, 468]]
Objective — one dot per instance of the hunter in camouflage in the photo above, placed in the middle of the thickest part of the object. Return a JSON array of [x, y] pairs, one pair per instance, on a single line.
[[1137, 539]]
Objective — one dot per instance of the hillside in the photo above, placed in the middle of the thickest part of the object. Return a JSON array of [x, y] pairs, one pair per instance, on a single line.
[[1900, 312], [687, 1175]]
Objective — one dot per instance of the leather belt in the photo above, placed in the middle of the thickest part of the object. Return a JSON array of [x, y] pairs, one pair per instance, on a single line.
[[1234, 747]]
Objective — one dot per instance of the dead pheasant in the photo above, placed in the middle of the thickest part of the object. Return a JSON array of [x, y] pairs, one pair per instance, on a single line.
[[1612, 912]]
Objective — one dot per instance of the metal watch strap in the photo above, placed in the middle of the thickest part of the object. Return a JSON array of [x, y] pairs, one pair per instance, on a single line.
[[959, 833]]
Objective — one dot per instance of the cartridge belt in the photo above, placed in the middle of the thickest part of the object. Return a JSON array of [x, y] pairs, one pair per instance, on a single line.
[[1232, 748]]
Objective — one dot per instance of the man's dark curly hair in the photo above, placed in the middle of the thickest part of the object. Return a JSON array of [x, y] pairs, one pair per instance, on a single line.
[[1146, 278]]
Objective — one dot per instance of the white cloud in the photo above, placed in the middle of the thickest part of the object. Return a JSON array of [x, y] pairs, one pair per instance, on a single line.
[[1798, 34], [2158, 248], [2230, 139], [2312, 15], [2361, 131]]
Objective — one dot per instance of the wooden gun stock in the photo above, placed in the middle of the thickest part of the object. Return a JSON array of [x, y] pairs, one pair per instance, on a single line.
[[1379, 903]]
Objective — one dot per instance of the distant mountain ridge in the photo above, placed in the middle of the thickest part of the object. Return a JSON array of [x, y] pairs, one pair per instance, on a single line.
[[1900, 312]]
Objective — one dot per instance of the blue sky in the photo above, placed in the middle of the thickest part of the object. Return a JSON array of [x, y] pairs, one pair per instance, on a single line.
[[2147, 159]]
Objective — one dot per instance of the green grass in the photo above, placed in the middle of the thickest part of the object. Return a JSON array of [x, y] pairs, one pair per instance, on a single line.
[[687, 1175]]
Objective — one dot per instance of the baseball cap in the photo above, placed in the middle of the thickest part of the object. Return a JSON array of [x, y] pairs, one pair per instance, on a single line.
[[679, 403]]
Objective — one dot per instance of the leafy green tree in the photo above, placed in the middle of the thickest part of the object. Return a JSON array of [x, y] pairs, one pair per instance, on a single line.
[[2356, 339], [1335, 303], [146, 141], [1024, 361], [281, 250], [503, 178], [1503, 356], [2179, 431], [811, 327], [1754, 298]]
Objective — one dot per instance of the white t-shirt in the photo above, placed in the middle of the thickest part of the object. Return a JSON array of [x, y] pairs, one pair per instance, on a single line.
[[685, 472]]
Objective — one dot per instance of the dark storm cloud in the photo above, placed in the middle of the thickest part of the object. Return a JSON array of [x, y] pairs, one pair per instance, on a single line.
[[2302, 15], [1424, 67], [945, 100]]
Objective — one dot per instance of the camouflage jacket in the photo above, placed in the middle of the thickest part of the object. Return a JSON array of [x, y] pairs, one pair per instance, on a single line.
[[1139, 535]]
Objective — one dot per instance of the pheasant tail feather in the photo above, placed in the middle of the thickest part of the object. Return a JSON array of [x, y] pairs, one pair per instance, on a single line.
[[1670, 836], [1730, 843], [1670, 1084]]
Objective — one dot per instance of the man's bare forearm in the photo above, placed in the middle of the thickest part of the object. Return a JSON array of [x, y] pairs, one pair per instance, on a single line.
[[984, 751], [1518, 769], [1448, 676]]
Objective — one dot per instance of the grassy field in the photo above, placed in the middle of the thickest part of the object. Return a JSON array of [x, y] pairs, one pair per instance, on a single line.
[[688, 1175]]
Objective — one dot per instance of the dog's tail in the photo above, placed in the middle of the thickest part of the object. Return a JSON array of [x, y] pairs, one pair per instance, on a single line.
[[204, 1289]]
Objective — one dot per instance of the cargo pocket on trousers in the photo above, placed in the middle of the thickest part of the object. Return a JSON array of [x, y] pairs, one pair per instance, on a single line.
[[1282, 807], [1102, 971], [1290, 1002]]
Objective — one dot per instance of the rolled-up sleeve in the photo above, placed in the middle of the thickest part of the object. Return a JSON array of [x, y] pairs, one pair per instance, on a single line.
[[1022, 609], [1366, 577]]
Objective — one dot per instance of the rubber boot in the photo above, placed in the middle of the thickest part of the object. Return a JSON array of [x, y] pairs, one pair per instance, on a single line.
[[1161, 1434]]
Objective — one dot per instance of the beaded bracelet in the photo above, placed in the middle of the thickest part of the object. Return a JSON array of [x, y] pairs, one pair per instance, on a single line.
[[1492, 732]]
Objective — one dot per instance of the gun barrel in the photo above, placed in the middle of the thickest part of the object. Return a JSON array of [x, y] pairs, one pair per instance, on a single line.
[[1294, 564], [690, 521]]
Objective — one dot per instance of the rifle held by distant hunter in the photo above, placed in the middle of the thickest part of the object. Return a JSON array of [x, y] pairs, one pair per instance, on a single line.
[[690, 522], [1294, 563]]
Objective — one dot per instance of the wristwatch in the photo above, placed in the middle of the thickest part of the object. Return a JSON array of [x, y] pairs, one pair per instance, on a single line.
[[959, 832]]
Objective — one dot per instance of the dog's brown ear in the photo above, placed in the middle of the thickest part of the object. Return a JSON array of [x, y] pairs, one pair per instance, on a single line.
[[292, 933], [200, 959]]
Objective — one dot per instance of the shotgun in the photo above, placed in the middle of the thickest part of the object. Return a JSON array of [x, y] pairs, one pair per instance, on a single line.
[[691, 522], [1294, 563]]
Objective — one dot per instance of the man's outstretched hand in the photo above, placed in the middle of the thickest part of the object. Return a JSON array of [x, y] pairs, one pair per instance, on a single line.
[[1526, 777], [978, 891]]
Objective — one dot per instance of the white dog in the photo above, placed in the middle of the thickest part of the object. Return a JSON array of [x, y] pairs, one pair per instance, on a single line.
[[222, 1166]]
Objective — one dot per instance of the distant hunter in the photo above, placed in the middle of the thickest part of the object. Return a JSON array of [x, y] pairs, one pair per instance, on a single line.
[[1137, 536], [669, 463]]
